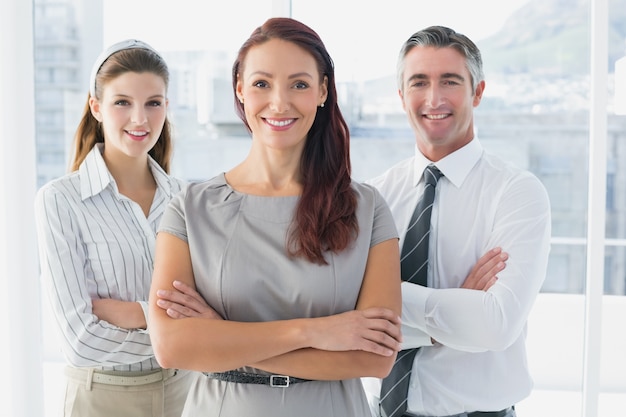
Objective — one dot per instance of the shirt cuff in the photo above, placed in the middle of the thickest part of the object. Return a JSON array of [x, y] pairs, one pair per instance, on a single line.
[[414, 299], [144, 307]]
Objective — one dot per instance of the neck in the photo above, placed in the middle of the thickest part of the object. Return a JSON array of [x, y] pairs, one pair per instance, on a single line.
[[274, 173], [130, 173]]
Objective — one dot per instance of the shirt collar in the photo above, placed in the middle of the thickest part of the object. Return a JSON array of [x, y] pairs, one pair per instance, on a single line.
[[95, 175], [455, 167]]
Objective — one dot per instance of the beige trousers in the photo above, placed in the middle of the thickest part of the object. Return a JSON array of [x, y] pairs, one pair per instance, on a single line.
[[93, 393]]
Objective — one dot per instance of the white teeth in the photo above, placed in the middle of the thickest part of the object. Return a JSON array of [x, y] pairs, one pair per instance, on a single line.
[[436, 116], [137, 133], [279, 123]]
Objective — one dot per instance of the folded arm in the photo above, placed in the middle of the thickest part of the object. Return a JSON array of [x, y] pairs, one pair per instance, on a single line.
[[482, 277], [87, 340], [474, 320], [208, 344]]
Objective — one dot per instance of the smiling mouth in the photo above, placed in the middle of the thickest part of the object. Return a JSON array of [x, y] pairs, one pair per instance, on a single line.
[[280, 123], [137, 132], [436, 116]]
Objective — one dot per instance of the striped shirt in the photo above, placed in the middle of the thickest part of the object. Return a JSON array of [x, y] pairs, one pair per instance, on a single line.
[[96, 243]]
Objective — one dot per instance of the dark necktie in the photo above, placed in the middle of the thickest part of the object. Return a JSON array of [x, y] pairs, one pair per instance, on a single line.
[[414, 267]]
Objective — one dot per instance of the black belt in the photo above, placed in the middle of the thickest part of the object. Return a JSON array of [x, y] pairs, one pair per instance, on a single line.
[[274, 381], [500, 413]]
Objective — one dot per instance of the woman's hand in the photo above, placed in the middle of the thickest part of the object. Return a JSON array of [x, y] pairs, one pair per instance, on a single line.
[[375, 330], [183, 302], [124, 314]]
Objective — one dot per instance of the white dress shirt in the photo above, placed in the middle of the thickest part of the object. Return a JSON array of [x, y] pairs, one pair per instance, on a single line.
[[479, 362], [96, 243]]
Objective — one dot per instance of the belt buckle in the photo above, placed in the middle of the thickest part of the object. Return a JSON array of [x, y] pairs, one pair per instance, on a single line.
[[279, 381]]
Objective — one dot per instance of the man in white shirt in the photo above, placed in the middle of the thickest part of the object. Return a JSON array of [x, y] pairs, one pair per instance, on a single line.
[[472, 356]]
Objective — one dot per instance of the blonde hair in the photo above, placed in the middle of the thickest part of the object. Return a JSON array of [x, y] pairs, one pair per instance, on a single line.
[[131, 59]]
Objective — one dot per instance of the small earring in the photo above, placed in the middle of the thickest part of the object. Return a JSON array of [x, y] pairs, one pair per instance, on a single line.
[[322, 105], [241, 100]]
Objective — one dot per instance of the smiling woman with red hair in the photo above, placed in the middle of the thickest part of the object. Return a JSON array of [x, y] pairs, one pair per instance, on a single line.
[[298, 264]]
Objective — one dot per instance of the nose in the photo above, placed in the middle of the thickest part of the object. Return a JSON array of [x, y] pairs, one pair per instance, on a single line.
[[279, 101], [138, 115], [434, 95]]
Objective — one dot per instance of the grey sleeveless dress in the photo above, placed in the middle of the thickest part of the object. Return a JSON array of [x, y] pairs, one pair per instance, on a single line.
[[237, 244]]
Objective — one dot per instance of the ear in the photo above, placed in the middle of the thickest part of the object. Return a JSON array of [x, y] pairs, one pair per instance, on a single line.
[[239, 89], [94, 105], [323, 91], [401, 95], [478, 94]]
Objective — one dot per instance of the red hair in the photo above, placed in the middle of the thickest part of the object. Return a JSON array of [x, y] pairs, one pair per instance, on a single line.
[[325, 218]]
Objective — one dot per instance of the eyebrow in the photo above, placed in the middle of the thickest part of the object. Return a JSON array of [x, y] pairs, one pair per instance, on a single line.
[[446, 75], [292, 76], [121, 95]]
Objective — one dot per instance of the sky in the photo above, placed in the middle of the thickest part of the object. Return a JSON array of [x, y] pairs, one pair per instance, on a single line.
[[363, 40]]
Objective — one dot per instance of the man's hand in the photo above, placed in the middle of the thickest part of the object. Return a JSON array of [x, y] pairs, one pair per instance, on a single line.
[[484, 274], [185, 302]]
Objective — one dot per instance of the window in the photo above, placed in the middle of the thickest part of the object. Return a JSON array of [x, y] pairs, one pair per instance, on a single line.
[[536, 112]]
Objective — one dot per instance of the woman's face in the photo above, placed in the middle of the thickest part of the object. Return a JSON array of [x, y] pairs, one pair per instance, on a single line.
[[281, 89], [132, 111]]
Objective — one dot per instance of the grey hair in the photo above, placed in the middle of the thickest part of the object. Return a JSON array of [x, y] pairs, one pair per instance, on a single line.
[[443, 37]]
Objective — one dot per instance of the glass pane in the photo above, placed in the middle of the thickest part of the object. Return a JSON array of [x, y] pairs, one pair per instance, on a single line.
[[613, 365]]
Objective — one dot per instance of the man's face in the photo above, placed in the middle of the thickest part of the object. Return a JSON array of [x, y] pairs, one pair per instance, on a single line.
[[438, 97]]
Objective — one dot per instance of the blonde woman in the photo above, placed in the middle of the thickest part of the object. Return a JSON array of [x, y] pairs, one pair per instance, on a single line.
[[97, 228]]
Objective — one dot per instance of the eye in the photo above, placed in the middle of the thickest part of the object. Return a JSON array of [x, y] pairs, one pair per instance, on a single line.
[[154, 103], [450, 82], [121, 102], [260, 84], [300, 85]]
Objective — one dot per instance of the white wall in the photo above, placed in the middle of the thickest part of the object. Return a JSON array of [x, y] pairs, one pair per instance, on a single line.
[[21, 394]]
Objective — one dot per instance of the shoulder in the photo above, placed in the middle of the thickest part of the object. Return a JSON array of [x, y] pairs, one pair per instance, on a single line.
[[363, 188], [395, 182], [366, 193], [208, 193], [67, 185], [495, 165], [61, 195], [391, 175], [174, 185], [375, 218], [511, 177], [370, 200]]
